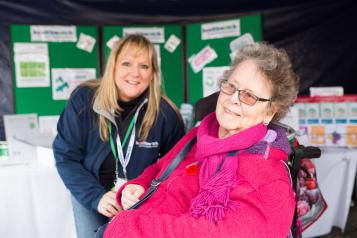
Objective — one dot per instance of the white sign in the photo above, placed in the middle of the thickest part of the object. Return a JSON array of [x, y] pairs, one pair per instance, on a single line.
[[220, 29], [326, 91], [239, 43], [86, 42], [53, 33], [31, 65], [17, 127], [154, 34], [172, 43], [64, 81], [202, 58], [211, 77]]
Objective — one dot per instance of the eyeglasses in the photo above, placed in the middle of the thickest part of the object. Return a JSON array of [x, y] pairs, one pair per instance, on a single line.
[[243, 95]]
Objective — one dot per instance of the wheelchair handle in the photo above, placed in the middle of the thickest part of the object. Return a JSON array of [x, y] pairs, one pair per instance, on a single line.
[[308, 152]]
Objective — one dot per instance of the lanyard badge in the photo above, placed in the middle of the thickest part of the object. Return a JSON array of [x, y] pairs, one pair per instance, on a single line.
[[118, 152]]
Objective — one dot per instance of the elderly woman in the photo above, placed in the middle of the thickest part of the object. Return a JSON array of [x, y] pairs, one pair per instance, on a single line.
[[233, 182]]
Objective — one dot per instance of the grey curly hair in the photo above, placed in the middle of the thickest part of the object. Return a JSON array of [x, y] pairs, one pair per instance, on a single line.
[[275, 65]]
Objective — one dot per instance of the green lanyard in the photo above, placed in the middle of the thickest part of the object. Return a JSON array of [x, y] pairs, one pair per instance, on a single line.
[[127, 133], [118, 153]]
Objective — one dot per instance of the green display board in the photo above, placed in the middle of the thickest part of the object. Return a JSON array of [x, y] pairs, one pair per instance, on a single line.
[[171, 57], [39, 53], [204, 40]]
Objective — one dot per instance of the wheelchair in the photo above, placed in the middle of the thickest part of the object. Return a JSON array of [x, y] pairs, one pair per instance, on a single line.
[[206, 105]]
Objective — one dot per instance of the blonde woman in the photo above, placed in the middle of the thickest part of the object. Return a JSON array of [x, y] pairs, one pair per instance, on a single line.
[[112, 129]]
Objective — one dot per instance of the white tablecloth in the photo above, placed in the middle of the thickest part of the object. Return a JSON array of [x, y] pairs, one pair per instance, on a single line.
[[34, 203], [336, 170]]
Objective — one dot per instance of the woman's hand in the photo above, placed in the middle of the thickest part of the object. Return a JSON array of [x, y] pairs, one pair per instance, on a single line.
[[130, 195], [108, 205]]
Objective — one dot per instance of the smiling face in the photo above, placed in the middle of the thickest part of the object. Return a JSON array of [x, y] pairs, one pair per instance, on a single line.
[[234, 116], [133, 72]]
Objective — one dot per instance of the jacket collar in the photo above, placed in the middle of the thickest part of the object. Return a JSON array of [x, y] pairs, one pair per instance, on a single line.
[[110, 115]]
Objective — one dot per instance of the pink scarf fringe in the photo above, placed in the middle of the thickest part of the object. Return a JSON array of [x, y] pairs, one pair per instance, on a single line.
[[213, 199]]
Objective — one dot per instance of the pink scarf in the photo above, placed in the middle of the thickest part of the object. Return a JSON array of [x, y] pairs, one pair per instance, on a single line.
[[213, 198]]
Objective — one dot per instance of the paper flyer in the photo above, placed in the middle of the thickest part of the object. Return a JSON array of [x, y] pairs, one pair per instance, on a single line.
[[154, 34], [65, 80], [16, 128], [202, 58], [114, 40], [86, 42], [172, 43], [341, 110], [220, 29], [239, 43], [335, 134], [31, 65], [351, 131], [53, 33], [211, 77], [317, 134]]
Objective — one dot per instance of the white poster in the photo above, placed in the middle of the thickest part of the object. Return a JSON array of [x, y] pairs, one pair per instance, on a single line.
[[31, 65], [202, 58], [154, 34], [114, 40], [18, 127], [86, 42], [239, 43], [220, 29], [53, 33], [65, 80], [211, 77], [172, 43]]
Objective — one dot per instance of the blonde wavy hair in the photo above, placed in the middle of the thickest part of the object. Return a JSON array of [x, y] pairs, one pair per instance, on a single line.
[[107, 95]]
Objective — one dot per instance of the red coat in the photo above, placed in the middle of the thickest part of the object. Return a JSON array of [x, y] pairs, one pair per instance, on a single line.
[[265, 198]]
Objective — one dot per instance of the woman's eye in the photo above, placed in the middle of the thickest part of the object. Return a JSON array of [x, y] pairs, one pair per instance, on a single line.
[[231, 87], [144, 66], [249, 95], [125, 63]]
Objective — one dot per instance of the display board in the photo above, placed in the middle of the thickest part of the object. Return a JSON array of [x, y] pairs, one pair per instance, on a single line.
[[49, 62], [168, 43], [210, 47]]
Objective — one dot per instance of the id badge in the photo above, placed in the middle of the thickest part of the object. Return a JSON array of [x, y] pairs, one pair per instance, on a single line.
[[118, 183]]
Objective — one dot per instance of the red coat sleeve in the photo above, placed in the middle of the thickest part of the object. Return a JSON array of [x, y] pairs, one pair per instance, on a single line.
[[279, 208]]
